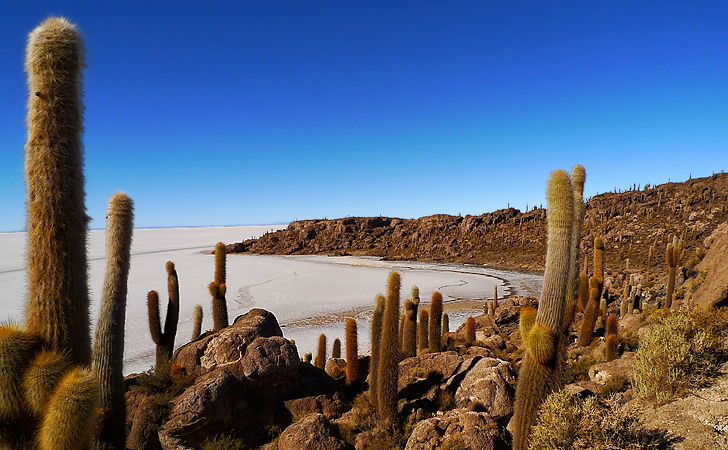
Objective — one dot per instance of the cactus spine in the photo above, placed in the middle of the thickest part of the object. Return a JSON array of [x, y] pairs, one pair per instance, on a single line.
[[435, 334], [535, 378], [320, 361], [409, 344], [336, 349], [197, 322], [16, 349], [218, 288], [58, 302], [77, 397], [352, 351], [389, 353], [108, 362], [422, 326]]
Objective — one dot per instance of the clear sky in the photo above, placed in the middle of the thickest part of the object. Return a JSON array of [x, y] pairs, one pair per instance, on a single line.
[[261, 112]]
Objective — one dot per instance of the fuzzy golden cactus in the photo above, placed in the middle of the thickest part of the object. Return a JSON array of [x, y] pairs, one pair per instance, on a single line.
[[58, 302], [108, 350], [320, 360], [197, 315], [409, 332], [352, 351], [422, 327], [538, 369], [435, 332], [336, 348], [469, 331], [377, 318], [389, 353]]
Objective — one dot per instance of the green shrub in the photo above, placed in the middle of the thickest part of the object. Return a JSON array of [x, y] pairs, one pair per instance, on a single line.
[[566, 421], [579, 370], [681, 351], [223, 442]]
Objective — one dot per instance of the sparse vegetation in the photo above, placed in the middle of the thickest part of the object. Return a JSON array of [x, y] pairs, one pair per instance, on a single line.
[[681, 351], [566, 421]]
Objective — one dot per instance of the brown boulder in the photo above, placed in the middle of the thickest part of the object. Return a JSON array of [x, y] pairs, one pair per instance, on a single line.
[[316, 393], [228, 345], [458, 429], [602, 373], [507, 311], [714, 289], [313, 432], [488, 386]]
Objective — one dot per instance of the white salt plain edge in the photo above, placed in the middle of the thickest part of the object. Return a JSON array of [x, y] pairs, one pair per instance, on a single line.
[[309, 295]]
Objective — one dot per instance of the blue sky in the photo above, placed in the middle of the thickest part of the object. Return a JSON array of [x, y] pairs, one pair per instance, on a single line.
[[253, 112]]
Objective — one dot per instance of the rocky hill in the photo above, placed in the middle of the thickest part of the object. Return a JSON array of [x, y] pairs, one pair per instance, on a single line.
[[630, 222]]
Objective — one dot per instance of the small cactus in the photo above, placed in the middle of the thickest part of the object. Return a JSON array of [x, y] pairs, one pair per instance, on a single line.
[[320, 361], [445, 324], [336, 349], [218, 288], [469, 331], [422, 326], [197, 315]]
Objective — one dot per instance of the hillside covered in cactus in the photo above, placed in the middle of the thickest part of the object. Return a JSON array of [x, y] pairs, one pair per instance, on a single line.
[[635, 219]]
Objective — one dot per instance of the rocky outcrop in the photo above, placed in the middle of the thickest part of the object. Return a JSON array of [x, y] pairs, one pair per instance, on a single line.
[[313, 432], [630, 222], [714, 290], [229, 345], [488, 386], [459, 429], [249, 379]]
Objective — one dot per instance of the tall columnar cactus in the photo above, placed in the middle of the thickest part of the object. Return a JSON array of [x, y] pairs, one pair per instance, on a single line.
[[599, 258], [320, 360], [58, 302], [218, 289], [422, 327], [164, 339], [673, 256], [108, 361], [377, 319], [49, 397], [495, 299], [197, 315], [352, 351], [409, 344], [389, 353], [590, 314], [539, 366], [336, 348], [578, 176], [435, 334]]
